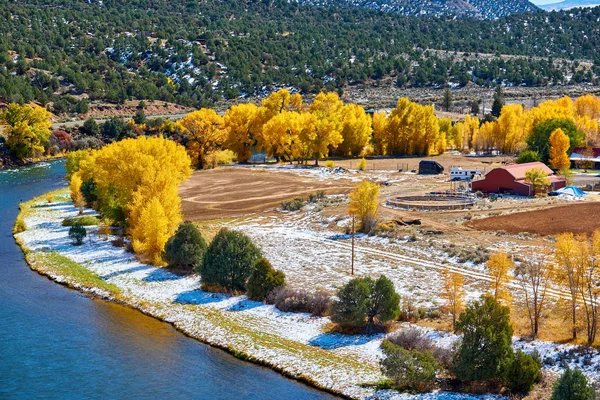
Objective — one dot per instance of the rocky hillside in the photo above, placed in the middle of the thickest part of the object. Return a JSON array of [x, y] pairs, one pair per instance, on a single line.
[[481, 9]]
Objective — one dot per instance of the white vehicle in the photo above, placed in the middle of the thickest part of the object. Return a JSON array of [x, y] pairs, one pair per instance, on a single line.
[[459, 174]]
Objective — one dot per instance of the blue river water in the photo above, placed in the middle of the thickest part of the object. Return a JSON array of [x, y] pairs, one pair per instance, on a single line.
[[58, 344]]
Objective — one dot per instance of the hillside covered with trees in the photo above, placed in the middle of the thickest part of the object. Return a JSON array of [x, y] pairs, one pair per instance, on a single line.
[[68, 52]]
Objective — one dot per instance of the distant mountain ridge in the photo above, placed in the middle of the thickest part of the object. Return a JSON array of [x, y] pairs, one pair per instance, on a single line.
[[481, 9], [570, 4]]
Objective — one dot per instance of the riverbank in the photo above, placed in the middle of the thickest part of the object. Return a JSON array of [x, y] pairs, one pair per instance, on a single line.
[[9, 162], [249, 330], [296, 345]]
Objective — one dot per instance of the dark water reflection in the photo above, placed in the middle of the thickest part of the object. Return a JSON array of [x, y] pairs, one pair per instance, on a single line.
[[57, 344]]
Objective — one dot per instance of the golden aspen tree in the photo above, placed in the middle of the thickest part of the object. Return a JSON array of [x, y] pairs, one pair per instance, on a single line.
[[326, 135], [399, 124], [75, 188], [538, 179], [562, 108], [471, 130], [281, 136], [568, 262], [559, 145], [356, 130], [453, 293], [27, 129], [137, 186], [380, 138], [364, 204], [590, 128], [458, 135], [430, 129], [588, 106], [205, 132], [499, 266], [486, 139], [241, 125], [445, 129], [514, 124], [151, 233]]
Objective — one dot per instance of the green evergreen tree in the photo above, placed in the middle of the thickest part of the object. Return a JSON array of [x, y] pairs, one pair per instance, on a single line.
[[522, 373], [572, 385], [408, 369], [365, 302], [229, 260], [498, 101], [91, 127], [77, 233], [447, 99], [486, 348], [186, 248], [263, 280], [140, 116]]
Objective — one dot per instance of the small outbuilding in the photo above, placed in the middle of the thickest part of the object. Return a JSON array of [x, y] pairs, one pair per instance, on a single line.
[[430, 167], [585, 158], [511, 179]]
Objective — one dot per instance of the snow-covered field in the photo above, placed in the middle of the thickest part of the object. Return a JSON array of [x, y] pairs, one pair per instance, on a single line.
[[293, 343]]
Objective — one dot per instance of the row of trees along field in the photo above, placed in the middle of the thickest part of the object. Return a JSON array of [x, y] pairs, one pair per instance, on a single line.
[[287, 129], [517, 129]]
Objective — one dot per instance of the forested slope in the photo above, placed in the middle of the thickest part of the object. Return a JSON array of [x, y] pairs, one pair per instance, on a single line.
[[196, 52]]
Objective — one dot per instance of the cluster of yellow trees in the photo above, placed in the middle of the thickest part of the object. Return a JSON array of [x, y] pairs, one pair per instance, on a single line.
[[134, 182], [574, 270], [509, 132], [286, 128], [26, 128]]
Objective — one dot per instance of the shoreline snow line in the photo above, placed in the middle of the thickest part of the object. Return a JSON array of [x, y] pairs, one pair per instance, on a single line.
[[35, 260]]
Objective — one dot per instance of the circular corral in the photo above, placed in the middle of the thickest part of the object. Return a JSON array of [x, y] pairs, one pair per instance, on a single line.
[[434, 201]]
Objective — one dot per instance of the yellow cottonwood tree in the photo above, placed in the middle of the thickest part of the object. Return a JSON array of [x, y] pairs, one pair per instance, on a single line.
[[380, 133], [538, 178], [588, 106], [75, 188], [472, 130], [559, 145], [27, 129], [205, 132], [356, 130], [281, 136], [499, 265], [364, 204], [242, 126], [453, 292], [131, 176], [151, 233]]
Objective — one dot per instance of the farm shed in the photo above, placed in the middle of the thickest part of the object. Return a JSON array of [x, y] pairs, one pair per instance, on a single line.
[[585, 158], [511, 179], [430, 167]]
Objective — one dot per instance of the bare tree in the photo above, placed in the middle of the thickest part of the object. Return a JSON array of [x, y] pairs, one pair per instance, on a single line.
[[534, 277]]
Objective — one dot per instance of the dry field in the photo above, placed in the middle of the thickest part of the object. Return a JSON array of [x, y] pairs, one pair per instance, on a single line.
[[575, 218], [312, 248], [235, 191]]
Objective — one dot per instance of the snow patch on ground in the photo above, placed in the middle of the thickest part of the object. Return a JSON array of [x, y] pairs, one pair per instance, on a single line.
[[179, 299]]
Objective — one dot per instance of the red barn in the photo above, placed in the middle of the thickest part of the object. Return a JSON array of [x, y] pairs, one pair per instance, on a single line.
[[511, 179]]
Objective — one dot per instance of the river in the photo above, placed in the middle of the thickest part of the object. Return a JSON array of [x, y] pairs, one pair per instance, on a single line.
[[58, 344]]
